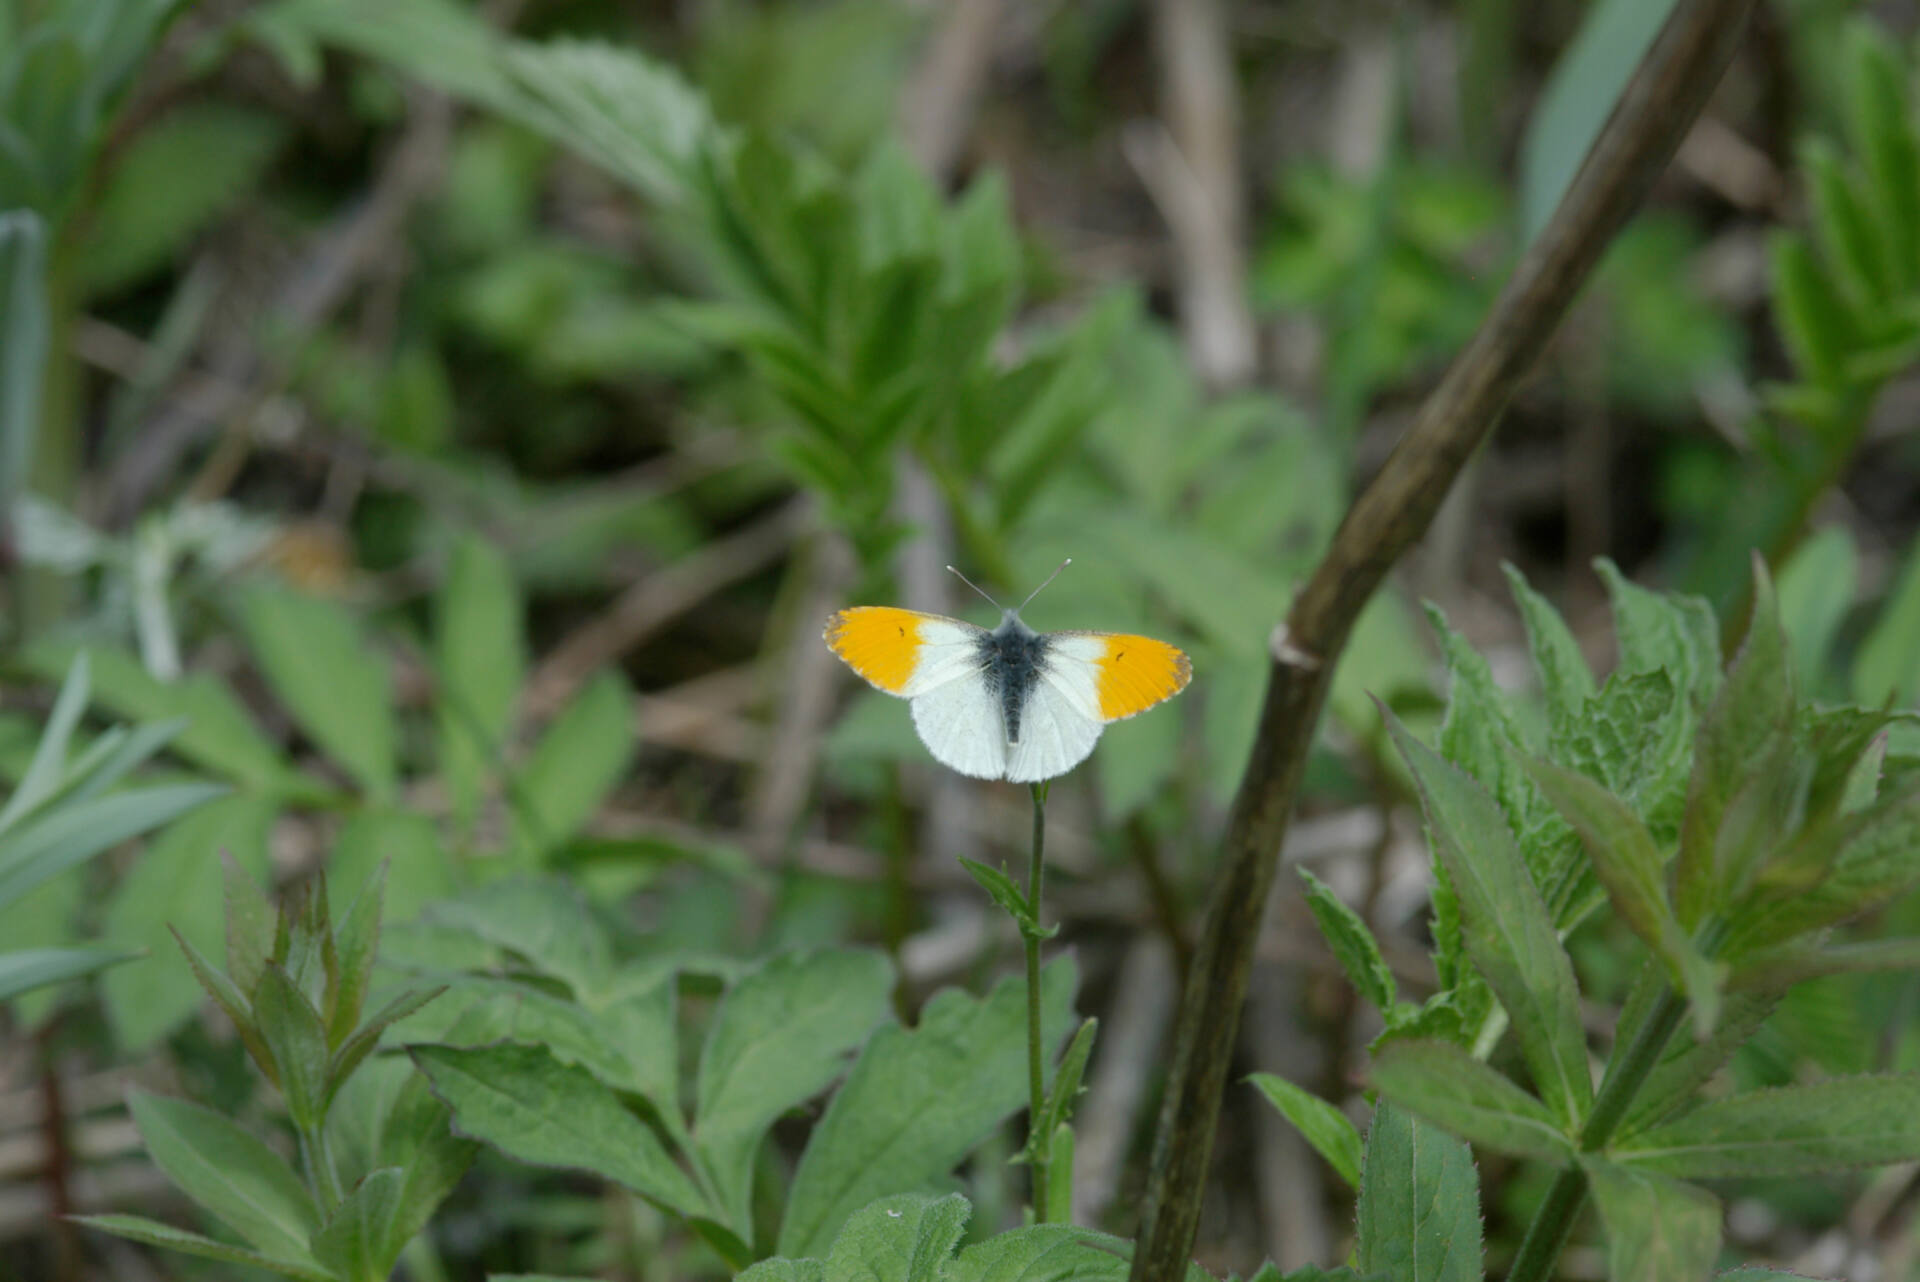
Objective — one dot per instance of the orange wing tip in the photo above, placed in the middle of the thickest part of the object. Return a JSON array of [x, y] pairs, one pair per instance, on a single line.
[[882, 644], [1136, 673]]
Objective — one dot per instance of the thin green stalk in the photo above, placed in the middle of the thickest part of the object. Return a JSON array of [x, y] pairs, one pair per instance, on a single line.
[[1626, 1074], [1037, 1145], [321, 1172]]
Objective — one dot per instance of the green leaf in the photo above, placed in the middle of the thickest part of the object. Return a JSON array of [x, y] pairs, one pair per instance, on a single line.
[[251, 920], [1844, 230], [527, 1104], [61, 837], [1577, 98], [1047, 1253], [339, 690], [361, 1239], [419, 866], [1754, 708], [779, 1037], [1664, 632], [1565, 679], [546, 922], [576, 763], [294, 1033], [29, 968], [229, 1173], [1836, 869], [1352, 943], [1061, 1097], [234, 1003], [479, 648], [1634, 874], [1419, 1213], [1878, 112], [364, 1039], [177, 884], [357, 942], [138, 1229], [1444, 1084], [173, 178], [49, 763], [1686, 1065], [1795, 1130], [1006, 892], [1812, 319], [906, 1238], [1508, 930], [219, 734], [1658, 1229], [23, 342], [916, 1103], [1887, 667], [1816, 589], [1325, 1127]]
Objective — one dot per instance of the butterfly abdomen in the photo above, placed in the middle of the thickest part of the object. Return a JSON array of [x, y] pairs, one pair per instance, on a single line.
[[1011, 657]]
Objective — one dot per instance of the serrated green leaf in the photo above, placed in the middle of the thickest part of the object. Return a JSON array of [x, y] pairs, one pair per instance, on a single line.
[[339, 690], [1419, 1213], [358, 942], [906, 1238], [576, 763], [1445, 1085], [781, 1035], [294, 1033], [524, 1102], [1003, 890], [947, 1083], [1047, 1253], [479, 648], [1658, 1229], [1325, 1127], [177, 884], [228, 1172], [1630, 866], [1827, 1126], [1352, 943], [1565, 679], [546, 922], [1754, 708], [1835, 870], [1508, 931]]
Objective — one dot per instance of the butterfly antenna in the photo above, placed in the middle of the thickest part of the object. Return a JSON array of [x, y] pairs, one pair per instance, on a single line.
[[1050, 578], [975, 586]]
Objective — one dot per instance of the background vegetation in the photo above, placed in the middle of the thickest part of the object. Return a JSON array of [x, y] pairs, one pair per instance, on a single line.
[[432, 436]]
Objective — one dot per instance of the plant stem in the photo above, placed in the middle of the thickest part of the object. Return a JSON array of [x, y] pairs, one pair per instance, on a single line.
[[321, 1173], [1037, 1144], [1656, 108], [1626, 1074]]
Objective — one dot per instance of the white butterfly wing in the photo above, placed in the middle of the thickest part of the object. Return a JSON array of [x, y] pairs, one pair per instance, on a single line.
[[1058, 722], [962, 724]]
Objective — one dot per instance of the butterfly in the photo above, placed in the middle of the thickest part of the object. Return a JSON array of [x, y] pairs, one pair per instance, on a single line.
[[1007, 703]]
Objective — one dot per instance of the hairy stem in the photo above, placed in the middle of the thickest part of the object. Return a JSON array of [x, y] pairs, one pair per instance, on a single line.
[[1656, 109], [1037, 1144], [1626, 1074]]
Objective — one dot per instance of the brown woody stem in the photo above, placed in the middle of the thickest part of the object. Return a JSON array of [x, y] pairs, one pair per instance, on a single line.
[[1659, 104]]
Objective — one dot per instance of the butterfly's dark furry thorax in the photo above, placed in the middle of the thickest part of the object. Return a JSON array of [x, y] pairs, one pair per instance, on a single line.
[[1011, 657]]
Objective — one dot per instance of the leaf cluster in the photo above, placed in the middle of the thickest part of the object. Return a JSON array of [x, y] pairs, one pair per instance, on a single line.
[[296, 987], [557, 1053], [1730, 826]]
